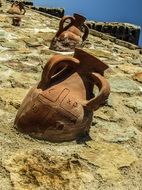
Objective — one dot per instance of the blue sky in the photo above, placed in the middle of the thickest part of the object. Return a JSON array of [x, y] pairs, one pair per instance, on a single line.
[[101, 10]]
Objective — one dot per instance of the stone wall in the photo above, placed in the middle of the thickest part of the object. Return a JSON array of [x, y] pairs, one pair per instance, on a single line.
[[122, 31], [58, 12], [104, 36], [112, 158], [28, 3]]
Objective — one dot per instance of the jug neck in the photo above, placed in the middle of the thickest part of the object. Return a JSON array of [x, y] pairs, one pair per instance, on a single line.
[[79, 19], [89, 63]]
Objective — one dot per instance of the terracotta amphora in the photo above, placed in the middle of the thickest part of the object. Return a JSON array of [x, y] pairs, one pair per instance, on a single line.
[[70, 36], [17, 8], [60, 107]]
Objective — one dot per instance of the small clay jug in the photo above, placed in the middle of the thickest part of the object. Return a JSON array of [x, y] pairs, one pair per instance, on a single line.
[[17, 8], [16, 21], [69, 36], [60, 107]]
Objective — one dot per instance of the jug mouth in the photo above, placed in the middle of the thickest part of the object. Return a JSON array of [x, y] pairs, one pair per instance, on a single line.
[[79, 17], [90, 62]]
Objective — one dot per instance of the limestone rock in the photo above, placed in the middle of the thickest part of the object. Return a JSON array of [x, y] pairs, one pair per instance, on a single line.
[[135, 103], [123, 84], [114, 132], [112, 159], [108, 158], [11, 97], [137, 62], [129, 68], [36, 170]]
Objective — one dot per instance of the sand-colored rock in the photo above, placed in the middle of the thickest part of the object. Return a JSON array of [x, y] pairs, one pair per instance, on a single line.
[[108, 158], [111, 159], [35, 170]]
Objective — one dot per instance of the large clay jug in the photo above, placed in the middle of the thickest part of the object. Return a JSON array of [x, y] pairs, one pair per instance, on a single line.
[[60, 107], [17, 8], [69, 36]]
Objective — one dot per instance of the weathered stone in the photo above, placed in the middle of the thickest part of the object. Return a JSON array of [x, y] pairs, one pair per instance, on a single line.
[[134, 103], [137, 62], [108, 158], [123, 84], [115, 132], [11, 97], [100, 53], [115, 165], [108, 114], [12, 44], [58, 12], [25, 2], [37, 170], [129, 68], [5, 182], [16, 79], [110, 101]]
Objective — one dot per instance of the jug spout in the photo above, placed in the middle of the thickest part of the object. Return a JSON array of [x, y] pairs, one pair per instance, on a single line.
[[89, 63]]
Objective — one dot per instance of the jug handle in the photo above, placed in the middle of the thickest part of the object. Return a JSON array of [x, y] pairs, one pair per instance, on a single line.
[[55, 62], [12, 4], [86, 32], [63, 20], [21, 7], [24, 11], [104, 91]]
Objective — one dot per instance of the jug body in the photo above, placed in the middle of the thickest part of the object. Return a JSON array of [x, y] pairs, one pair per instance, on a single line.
[[56, 114], [60, 107], [72, 34]]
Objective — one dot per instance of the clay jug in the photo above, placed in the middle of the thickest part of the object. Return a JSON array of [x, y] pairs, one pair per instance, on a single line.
[[69, 36], [16, 21], [17, 8], [60, 107]]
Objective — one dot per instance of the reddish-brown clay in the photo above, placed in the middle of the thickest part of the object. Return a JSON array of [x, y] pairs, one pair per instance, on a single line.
[[17, 8], [60, 107], [138, 77], [16, 21], [69, 36]]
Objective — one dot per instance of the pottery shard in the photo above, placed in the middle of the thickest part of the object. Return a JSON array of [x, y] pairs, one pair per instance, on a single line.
[[138, 77]]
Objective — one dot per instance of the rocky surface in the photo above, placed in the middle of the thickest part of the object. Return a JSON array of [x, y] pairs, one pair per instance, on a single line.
[[111, 159]]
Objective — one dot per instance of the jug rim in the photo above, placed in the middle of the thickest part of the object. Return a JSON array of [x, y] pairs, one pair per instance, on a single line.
[[83, 18]]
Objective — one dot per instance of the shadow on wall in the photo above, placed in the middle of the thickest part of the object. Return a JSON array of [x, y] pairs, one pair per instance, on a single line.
[[140, 41]]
